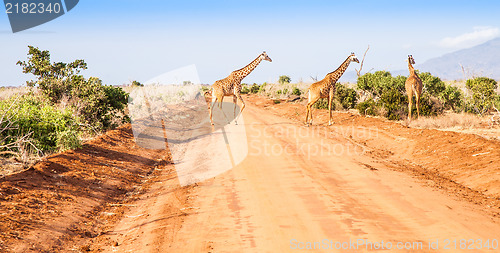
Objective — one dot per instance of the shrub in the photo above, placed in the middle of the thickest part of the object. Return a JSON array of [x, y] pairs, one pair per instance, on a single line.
[[40, 119], [395, 103], [245, 89], [388, 95], [429, 106], [482, 94], [496, 102], [452, 98], [432, 84], [262, 88], [68, 139], [284, 79], [137, 84], [98, 105], [296, 91], [368, 107], [377, 83], [255, 88], [346, 96]]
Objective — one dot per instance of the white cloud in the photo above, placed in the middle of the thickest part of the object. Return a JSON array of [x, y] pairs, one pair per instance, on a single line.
[[478, 36]]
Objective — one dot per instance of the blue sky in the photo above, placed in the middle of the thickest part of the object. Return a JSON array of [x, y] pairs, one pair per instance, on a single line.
[[136, 40]]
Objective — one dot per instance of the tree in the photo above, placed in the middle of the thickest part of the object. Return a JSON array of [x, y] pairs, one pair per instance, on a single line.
[[53, 79], [99, 106], [284, 79]]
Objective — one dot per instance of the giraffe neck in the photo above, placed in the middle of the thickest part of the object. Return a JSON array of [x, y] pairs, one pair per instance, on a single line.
[[245, 71], [335, 75], [410, 68]]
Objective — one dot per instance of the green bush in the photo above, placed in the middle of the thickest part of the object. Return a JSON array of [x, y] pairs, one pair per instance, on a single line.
[[429, 106], [482, 94], [395, 104], [368, 107], [379, 82], [296, 91], [36, 117], [262, 88], [388, 95], [68, 139], [284, 79], [496, 102], [137, 84], [432, 84], [322, 103], [99, 106], [346, 96], [255, 88], [452, 98], [245, 89]]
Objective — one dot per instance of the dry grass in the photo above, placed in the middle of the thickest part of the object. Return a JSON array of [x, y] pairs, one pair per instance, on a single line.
[[450, 120], [459, 122], [7, 92], [282, 91]]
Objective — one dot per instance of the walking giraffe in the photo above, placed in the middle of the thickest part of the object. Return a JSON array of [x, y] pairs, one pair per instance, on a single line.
[[413, 86], [326, 88], [231, 86]]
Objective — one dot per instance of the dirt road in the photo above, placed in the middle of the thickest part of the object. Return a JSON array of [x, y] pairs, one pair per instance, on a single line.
[[305, 189]]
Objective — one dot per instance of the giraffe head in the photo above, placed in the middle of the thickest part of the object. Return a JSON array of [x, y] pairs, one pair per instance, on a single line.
[[410, 59], [264, 56], [353, 58]]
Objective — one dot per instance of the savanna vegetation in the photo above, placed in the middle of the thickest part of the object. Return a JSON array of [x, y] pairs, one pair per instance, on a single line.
[[382, 94], [58, 108]]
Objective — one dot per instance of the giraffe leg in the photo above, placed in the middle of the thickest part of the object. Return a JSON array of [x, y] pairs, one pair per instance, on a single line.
[[309, 115], [330, 100], [221, 98], [214, 100], [409, 106], [235, 104], [417, 103], [241, 110]]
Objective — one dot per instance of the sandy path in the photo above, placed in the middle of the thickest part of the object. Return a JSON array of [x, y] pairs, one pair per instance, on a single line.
[[295, 187]]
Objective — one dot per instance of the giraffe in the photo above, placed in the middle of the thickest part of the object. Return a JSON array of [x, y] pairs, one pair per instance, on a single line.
[[326, 88], [413, 86], [231, 86]]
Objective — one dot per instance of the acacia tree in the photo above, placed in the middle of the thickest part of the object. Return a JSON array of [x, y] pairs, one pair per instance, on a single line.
[[96, 104], [53, 79]]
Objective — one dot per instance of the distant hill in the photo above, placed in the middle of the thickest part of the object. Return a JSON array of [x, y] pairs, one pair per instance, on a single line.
[[481, 60]]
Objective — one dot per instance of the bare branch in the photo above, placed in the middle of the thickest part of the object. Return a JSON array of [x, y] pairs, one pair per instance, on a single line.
[[358, 72]]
